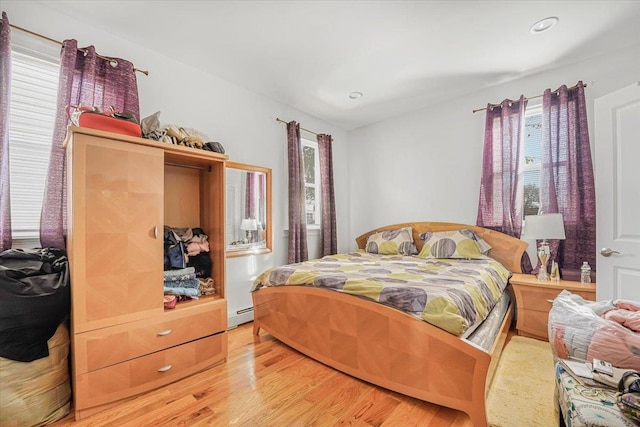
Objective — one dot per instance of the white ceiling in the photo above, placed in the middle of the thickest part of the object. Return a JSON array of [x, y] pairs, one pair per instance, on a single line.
[[402, 55]]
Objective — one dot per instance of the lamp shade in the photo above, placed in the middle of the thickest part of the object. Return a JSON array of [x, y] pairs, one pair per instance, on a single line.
[[546, 226], [249, 224]]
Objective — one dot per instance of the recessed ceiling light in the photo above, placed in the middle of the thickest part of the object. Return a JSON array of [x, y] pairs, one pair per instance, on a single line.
[[355, 95], [543, 25]]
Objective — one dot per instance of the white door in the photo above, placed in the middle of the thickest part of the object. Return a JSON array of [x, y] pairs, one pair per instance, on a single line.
[[617, 156]]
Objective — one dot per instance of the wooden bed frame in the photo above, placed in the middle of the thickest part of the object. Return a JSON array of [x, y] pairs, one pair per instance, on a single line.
[[385, 346]]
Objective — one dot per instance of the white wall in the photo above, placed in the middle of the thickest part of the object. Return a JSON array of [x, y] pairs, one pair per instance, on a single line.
[[421, 166], [243, 121], [426, 165]]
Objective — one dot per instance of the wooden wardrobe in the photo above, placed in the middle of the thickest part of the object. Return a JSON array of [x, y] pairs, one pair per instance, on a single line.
[[121, 192]]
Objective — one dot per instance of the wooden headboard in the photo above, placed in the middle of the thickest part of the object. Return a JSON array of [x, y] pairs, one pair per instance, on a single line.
[[505, 249]]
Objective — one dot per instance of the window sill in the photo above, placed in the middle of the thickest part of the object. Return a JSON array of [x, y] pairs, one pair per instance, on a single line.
[[25, 242], [312, 230]]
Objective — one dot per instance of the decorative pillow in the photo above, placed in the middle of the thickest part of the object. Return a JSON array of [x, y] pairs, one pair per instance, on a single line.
[[461, 244], [484, 246], [392, 242]]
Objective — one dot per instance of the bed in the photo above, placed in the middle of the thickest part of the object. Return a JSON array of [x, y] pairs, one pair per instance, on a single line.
[[384, 345]]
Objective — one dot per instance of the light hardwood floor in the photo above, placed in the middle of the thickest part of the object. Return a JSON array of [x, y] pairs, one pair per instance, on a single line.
[[266, 383]]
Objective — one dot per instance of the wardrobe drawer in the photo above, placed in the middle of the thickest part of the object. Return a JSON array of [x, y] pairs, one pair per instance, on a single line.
[[145, 373], [109, 346]]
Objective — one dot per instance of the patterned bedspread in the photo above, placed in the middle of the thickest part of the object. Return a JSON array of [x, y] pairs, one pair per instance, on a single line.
[[453, 294]]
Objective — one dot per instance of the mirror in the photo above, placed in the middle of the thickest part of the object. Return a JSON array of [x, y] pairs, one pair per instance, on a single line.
[[248, 204]]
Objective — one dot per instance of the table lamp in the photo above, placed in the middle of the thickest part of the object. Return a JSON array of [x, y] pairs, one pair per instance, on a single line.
[[543, 227], [249, 225]]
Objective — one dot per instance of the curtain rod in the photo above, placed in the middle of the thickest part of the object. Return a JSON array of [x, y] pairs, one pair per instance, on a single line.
[[301, 128], [145, 72], [533, 97]]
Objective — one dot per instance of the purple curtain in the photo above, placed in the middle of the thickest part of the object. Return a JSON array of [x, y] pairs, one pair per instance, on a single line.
[[262, 191], [250, 201], [567, 176], [328, 209], [262, 206], [249, 197], [85, 79], [5, 95], [501, 192], [297, 219]]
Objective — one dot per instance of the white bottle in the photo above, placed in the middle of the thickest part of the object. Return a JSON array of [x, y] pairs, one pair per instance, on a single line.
[[585, 273]]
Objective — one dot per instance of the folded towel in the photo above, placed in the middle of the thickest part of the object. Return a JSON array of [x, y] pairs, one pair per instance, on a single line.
[[189, 292], [179, 278], [189, 283], [179, 272]]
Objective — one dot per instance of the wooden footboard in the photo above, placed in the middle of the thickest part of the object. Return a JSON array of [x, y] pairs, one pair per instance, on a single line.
[[381, 345]]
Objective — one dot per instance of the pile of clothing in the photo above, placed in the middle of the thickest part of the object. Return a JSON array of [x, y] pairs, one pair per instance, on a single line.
[[35, 301], [187, 247], [181, 282], [187, 265], [178, 135], [35, 297], [607, 330]]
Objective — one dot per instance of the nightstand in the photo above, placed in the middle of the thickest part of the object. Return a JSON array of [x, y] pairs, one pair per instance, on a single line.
[[534, 299]]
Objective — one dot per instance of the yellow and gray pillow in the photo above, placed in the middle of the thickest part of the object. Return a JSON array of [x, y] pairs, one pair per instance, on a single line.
[[392, 242], [455, 244]]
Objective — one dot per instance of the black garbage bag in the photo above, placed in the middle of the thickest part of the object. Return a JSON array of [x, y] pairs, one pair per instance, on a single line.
[[34, 300]]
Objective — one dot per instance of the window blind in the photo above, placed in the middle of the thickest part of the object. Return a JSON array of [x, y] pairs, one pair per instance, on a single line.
[[34, 87]]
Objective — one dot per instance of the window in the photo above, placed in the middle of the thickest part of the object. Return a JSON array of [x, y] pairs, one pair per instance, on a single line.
[[532, 160], [311, 165], [34, 89]]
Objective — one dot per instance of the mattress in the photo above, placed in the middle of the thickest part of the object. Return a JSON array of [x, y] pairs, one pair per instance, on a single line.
[[486, 333]]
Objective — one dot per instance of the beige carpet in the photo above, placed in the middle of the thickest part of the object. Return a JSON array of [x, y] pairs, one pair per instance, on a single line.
[[521, 394]]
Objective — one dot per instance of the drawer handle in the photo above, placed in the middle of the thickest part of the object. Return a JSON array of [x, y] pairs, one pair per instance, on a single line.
[[165, 368], [165, 332]]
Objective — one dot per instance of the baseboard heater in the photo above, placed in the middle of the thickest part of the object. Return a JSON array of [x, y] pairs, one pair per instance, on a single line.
[[244, 310]]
